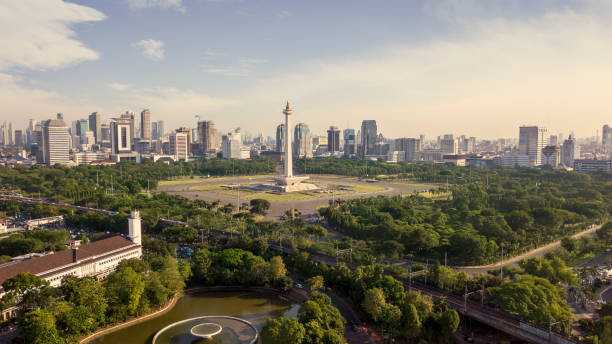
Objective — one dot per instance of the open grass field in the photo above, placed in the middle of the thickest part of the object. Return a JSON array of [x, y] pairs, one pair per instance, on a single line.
[[206, 187], [272, 197]]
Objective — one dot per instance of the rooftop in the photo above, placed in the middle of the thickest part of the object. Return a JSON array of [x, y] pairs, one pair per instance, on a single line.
[[62, 258]]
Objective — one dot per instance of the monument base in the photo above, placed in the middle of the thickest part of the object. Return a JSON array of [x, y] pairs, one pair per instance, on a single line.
[[293, 184]]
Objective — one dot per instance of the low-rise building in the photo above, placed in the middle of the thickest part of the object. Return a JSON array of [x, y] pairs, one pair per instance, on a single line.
[[592, 165]]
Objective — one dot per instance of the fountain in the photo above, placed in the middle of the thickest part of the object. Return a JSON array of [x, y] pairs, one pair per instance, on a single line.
[[208, 329]]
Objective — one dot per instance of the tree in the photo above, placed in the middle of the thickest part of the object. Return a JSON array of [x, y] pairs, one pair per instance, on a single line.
[[200, 264], [411, 322], [124, 288], [38, 327], [277, 268], [283, 331], [449, 322], [315, 283], [259, 206], [605, 233], [86, 294], [374, 303]]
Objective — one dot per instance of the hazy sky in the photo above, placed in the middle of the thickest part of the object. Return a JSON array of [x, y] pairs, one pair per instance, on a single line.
[[479, 68]]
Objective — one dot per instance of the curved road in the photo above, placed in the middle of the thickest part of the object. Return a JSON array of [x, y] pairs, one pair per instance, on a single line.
[[513, 261]]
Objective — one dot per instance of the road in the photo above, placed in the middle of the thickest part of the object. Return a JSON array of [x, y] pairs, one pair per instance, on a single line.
[[538, 252]]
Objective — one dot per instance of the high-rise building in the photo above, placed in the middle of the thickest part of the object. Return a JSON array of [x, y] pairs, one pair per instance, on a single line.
[[606, 136], [209, 137], [449, 145], [105, 132], [280, 138], [369, 136], [412, 148], [55, 142], [95, 126], [154, 131], [551, 156], [160, 129], [120, 135], [19, 138], [11, 134], [302, 141], [180, 143], [145, 124], [333, 139], [129, 116], [350, 142], [231, 145], [532, 140], [553, 140], [569, 151]]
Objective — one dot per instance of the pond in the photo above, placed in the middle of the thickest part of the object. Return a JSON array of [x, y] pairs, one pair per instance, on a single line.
[[251, 306]]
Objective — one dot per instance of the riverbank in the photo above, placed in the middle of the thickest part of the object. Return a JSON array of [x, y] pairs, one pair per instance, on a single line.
[[294, 295]]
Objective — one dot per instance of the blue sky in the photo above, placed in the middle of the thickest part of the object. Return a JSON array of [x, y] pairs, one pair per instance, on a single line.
[[465, 67]]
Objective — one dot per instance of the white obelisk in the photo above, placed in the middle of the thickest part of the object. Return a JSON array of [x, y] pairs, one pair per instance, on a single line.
[[288, 150]]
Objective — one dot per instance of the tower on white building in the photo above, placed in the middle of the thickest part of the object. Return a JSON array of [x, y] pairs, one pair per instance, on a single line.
[[135, 227]]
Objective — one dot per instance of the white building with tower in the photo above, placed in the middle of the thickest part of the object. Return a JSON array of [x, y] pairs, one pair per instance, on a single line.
[[98, 259]]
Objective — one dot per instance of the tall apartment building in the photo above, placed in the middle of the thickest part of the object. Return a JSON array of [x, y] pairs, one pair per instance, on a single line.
[[209, 136], [19, 138], [145, 124], [280, 138], [606, 136], [160, 129], [302, 141], [333, 139], [180, 143], [411, 147], [55, 143], [532, 139], [350, 142], [570, 151], [369, 137], [551, 156], [95, 123], [231, 145], [449, 145]]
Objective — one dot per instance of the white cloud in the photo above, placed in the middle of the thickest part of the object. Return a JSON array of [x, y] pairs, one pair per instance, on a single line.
[[37, 34], [284, 14], [240, 69], [117, 86], [495, 76], [160, 4], [151, 49]]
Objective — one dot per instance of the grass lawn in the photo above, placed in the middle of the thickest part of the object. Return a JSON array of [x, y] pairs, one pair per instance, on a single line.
[[367, 188], [181, 181]]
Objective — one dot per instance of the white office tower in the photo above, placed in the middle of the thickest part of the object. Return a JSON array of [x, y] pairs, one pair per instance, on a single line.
[[231, 145], [121, 135], [180, 144], [135, 227], [532, 140], [569, 151], [55, 142]]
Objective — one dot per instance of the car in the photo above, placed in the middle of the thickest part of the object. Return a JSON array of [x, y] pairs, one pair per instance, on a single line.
[[299, 286]]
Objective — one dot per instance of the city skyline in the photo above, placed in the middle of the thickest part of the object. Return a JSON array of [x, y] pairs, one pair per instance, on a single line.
[[424, 67]]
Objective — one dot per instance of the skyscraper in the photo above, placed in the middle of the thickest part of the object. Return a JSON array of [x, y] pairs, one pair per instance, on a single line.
[[95, 126], [129, 116], [160, 129], [145, 124], [569, 151], [180, 143], [121, 139], [280, 138], [302, 142], [449, 145], [411, 146], [350, 142], [231, 144], [82, 127], [154, 134], [209, 137], [369, 136], [531, 141], [55, 142], [333, 139], [606, 137]]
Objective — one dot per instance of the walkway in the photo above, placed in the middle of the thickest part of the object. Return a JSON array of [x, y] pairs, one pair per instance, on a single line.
[[513, 261]]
